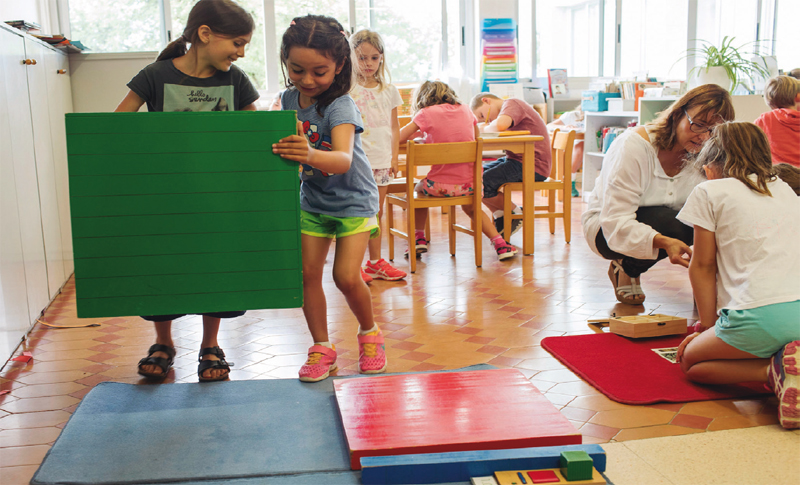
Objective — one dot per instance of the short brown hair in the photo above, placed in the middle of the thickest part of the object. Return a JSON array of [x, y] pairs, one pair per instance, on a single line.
[[738, 149], [781, 91], [789, 174], [477, 100], [709, 97]]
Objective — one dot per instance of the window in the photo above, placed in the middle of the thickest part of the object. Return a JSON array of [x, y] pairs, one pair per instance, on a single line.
[[717, 19], [414, 42], [567, 36], [103, 26], [787, 35], [653, 37]]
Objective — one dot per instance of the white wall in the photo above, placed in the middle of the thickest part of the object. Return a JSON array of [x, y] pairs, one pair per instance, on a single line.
[[99, 81]]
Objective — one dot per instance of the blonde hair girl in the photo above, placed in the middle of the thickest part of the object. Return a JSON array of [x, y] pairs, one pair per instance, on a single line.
[[745, 270], [377, 100]]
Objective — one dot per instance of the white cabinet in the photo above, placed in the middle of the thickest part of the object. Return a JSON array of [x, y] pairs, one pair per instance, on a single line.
[[34, 198], [592, 153]]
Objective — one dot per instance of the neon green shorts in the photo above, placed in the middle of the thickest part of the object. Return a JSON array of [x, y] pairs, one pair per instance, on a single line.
[[321, 225]]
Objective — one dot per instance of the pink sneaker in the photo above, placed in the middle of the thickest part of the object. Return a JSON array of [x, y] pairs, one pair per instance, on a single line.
[[371, 353], [784, 378], [321, 362], [382, 270], [366, 277]]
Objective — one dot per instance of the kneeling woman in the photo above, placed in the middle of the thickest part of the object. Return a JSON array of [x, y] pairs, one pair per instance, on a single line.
[[644, 182]]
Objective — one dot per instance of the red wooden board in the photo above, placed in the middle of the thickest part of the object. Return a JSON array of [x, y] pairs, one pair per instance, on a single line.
[[447, 411]]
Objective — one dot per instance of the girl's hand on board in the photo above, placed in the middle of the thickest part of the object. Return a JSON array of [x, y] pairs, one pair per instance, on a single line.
[[294, 147], [683, 345]]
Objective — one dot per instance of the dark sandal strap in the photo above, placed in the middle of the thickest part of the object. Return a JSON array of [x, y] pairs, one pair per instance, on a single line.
[[213, 351], [161, 348], [163, 363]]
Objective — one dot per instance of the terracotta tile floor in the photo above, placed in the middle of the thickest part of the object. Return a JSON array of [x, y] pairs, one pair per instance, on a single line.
[[448, 314]]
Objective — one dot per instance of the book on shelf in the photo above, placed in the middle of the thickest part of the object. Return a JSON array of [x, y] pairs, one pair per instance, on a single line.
[[557, 81]]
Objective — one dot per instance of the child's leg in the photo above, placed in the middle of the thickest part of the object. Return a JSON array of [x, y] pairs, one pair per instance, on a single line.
[[163, 337], [210, 332], [487, 227], [315, 308], [709, 360], [577, 156], [347, 276], [375, 243]]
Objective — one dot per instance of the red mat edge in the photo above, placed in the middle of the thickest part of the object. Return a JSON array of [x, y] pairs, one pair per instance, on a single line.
[[607, 394]]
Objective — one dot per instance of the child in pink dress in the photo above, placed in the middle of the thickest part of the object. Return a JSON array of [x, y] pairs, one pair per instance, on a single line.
[[440, 116]]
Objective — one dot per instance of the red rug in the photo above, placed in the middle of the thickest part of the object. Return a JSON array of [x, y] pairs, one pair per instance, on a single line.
[[629, 371]]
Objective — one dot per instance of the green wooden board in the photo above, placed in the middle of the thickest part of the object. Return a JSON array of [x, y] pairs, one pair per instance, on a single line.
[[183, 213]]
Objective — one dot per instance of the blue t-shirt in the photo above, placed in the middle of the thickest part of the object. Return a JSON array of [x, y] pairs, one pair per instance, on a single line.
[[350, 194]]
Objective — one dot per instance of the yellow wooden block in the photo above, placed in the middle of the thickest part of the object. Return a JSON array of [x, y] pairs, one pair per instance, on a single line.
[[512, 478], [639, 326]]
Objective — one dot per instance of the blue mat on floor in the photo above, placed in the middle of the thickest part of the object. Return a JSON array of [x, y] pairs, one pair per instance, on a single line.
[[278, 431]]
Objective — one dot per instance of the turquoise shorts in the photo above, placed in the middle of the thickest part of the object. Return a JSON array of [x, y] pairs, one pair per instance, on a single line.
[[321, 225], [760, 331]]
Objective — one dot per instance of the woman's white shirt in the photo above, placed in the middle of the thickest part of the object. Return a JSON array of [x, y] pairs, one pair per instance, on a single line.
[[632, 177]]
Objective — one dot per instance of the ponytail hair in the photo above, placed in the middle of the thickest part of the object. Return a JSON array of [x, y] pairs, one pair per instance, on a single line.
[[326, 36], [223, 17], [738, 149]]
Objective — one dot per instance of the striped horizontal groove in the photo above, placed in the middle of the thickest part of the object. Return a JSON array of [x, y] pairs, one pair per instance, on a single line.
[[152, 225], [175, 264], [170, 163], [131, 205], [89, 307], [230, 143], [182, 284], [282, 122], [184, 183], [175, 244]]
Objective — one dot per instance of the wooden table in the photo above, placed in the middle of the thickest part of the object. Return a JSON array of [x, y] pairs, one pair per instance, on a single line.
[[524, 145]]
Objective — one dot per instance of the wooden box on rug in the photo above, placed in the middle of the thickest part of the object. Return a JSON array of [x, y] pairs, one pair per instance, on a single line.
[[639, 326]]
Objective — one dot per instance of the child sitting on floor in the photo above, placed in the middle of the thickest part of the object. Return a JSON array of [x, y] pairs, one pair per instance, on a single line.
[[746, 266], [440, 116], [782, 124], [495, 115]]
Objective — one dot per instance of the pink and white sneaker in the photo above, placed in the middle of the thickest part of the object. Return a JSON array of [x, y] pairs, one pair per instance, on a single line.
[[784, 378], [371, 353], [382, 270], [321, 362]]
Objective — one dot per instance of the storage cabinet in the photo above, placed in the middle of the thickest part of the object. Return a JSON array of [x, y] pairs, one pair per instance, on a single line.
[[592, 152], [34, 205]]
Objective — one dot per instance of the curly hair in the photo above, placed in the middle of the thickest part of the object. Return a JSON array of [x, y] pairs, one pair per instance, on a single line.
[[713, 101], [223, 17], [327, 36], [431, 93]]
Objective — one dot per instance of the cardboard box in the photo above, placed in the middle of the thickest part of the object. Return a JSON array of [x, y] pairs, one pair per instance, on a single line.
[[617, 105], [640, 326]]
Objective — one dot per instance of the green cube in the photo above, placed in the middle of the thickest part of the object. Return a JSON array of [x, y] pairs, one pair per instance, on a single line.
[[576, 465], [183, 212]]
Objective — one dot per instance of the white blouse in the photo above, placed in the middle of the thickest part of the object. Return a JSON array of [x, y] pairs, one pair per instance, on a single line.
[[632, 177]]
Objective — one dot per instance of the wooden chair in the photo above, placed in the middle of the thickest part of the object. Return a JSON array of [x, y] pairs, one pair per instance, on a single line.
[[438, 154], [561, 151]]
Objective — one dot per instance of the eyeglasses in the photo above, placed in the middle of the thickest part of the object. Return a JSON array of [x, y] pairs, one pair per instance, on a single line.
[[698, 128]]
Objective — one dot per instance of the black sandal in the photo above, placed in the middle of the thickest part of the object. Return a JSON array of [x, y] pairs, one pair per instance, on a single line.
[[213, 364], [164, 364]]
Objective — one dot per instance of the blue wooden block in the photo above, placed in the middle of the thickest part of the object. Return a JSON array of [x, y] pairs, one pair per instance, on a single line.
[[461, 465]]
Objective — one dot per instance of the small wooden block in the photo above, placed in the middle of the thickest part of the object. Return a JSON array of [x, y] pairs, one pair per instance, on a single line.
[[543, 476], [447, 411], [576, 465], [640, 326], [511, 477]]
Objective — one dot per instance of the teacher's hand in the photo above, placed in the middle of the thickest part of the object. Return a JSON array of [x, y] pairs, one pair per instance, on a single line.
[[678, 251]]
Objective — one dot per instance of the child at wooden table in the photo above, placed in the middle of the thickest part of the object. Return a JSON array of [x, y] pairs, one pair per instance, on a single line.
[[440, 116], [745, 270], [495, 115], [217, 31], [782, 124], [338, 196]]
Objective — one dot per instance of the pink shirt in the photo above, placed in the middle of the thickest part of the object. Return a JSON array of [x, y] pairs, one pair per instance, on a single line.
[[525, 118], [448, 123], [782, 127]]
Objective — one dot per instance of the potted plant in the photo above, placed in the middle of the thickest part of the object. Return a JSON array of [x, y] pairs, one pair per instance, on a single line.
[[725, 65]]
